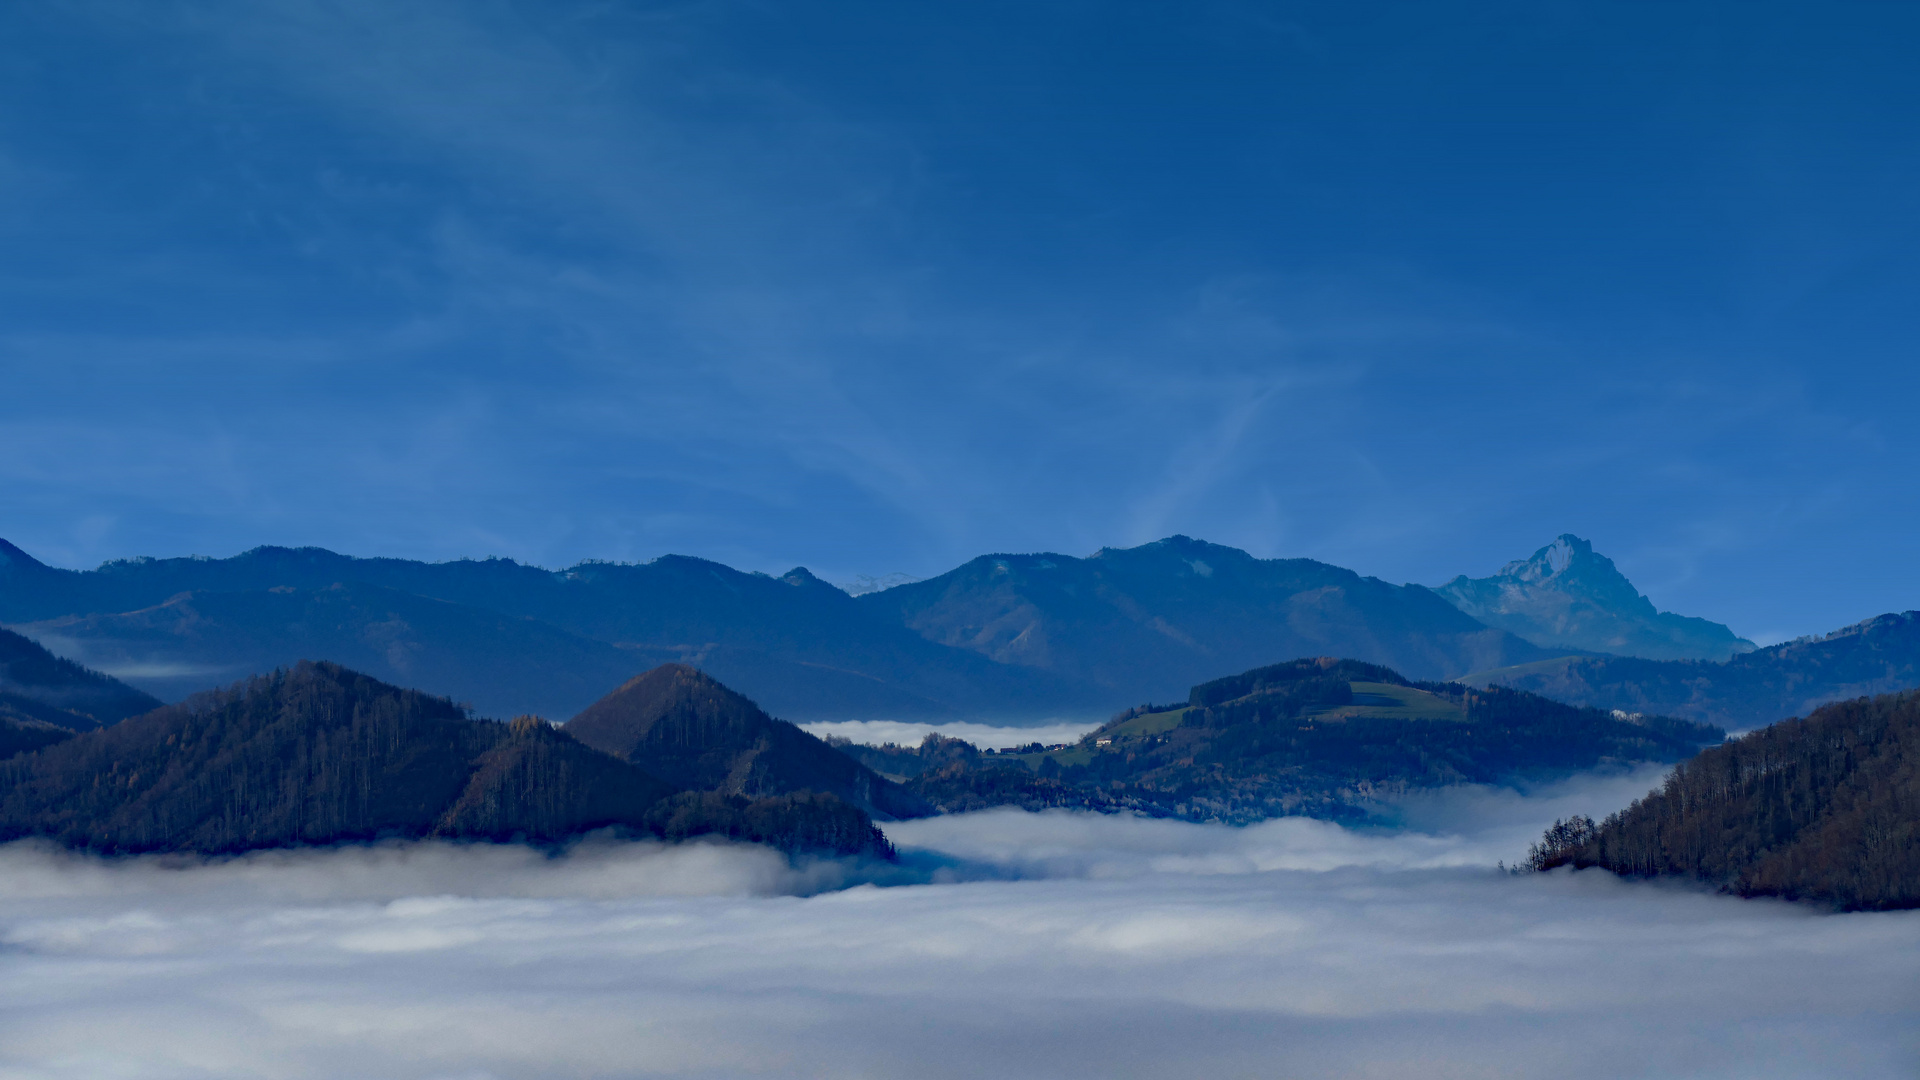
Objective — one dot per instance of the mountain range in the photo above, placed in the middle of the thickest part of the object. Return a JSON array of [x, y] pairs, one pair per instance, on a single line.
[[1011, 637], [1008, 638]]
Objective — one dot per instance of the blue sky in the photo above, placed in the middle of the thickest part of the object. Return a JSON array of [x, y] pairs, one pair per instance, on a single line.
[[871, 287]]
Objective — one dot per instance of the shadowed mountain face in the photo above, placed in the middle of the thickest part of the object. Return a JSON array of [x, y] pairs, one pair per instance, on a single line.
[[321, 755], [1147, 622], [37, 686], [1877, 656], [1826, 808], [1569, 597], [681, 725]]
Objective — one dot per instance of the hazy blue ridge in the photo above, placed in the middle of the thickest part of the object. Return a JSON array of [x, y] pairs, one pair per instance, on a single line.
[[1876, 656]]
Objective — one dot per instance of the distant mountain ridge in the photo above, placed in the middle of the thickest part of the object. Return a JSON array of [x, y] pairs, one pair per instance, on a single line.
[[1569, 596], [1012, 638], [1875, 656], [795, 641], [1146, 622]]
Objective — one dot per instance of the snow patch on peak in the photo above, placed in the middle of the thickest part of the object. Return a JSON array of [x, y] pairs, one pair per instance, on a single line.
[[1550, 561]]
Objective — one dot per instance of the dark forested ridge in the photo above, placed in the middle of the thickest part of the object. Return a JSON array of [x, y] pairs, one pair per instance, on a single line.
[[1825, 808], [320, 755], [1320, 737], [37, 685], [1877, 656], [679, 724]]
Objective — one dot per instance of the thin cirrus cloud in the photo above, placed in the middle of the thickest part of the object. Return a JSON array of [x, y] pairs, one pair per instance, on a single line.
[[878, 290], [1032, 945]]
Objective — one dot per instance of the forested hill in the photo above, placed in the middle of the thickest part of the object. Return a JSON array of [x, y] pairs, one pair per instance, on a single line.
[[321, 755], [1877, 656], [1321, 737], [687, 728], [1825, 808]]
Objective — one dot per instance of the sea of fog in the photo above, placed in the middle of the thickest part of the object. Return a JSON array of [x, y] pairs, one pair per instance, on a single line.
[[1004, 944], [985, 736]]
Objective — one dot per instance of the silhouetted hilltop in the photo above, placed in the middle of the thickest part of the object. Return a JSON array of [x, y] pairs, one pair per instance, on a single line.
[[1319, 737], [1826, 809], [682, 725], [1567, 596], [1877, 656], [37, 685], [320, 755], [1143, 622]]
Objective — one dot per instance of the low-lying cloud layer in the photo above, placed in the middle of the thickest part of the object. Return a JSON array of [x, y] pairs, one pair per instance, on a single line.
[[985, 736], [1056, 945]]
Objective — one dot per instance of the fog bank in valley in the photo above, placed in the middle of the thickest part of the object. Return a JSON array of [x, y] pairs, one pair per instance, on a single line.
[[1031, 945]]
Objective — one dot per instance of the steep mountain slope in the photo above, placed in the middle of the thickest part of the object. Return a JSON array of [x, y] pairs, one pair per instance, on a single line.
[[1567, 596], [1826, 808], [502, 664], [38, 685], [1876, 656], [1321, 737], [679, 724], [793, 641], [319, 755], [1146, 622]]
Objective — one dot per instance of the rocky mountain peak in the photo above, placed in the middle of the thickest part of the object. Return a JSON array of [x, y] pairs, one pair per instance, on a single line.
[[1567, 595]]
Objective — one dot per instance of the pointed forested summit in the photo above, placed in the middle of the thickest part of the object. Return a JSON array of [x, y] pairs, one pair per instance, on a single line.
[[1570, 596], [679, 724], [321, 755]]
